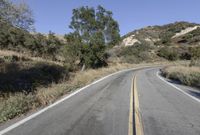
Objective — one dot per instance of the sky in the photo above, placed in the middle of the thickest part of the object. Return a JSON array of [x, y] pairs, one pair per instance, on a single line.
[[55, 15]]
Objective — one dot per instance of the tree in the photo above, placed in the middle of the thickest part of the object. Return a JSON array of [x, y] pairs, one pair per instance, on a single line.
[[19, 15], [108, 25], [92, 31], [72, 51]]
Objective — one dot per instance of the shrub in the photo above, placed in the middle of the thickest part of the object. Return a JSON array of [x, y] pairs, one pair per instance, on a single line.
[[168, 53], [16, 39], [136, 53], [27, 77], [16, 105]]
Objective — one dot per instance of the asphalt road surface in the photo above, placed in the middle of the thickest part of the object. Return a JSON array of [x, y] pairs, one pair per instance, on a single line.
[[103, 109], [164, 109]]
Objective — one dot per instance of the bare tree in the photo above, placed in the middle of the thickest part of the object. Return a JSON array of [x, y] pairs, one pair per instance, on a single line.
[[19, 15]]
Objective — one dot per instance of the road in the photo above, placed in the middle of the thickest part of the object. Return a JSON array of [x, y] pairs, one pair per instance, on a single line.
[[104, 109], [164, 109]]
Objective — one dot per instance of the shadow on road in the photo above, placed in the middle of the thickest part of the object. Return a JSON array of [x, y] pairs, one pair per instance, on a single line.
[[195, 94]]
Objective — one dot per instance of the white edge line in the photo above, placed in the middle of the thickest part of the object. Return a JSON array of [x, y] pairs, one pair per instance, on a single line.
[[60, 101], [177, 87]]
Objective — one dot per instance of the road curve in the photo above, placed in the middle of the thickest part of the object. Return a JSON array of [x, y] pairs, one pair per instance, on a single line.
[[103, 109]]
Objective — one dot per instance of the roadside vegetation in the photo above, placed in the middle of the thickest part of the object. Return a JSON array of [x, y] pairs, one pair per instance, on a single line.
[[184, 74], [188, 74]]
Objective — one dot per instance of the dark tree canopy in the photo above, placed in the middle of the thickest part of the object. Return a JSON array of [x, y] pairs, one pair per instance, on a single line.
[[93, 29], [87, 21]]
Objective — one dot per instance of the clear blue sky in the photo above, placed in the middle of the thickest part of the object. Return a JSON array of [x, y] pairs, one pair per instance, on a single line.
[[55, 15]]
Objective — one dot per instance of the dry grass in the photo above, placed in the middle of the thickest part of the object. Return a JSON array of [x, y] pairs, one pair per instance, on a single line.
[[182, 69], [185, 74], [17, 104], [27, 56]]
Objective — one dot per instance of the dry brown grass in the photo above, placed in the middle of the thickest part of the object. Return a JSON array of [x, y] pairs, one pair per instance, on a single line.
[[27, 56], [182, 69], [185, 74]]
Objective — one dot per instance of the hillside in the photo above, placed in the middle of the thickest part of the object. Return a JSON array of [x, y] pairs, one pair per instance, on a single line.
[[172, 41], [154, 34]]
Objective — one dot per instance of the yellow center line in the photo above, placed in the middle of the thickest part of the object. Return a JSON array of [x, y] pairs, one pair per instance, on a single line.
[[130, 132], [135, 123]]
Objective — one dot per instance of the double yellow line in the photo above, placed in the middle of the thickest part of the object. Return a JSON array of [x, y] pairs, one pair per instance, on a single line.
[[135, 123]]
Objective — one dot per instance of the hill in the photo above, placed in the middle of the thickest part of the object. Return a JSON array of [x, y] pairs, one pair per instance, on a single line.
[[172, 41], [153, 34]]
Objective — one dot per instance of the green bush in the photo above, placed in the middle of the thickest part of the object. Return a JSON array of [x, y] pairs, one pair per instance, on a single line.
[[15, 39], [168, 53], [16, 105], [130, 59], [136, 53]]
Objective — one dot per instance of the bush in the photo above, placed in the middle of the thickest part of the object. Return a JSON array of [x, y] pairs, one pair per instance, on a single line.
[[168, 53], [195, 52], [27, 77], [130, 59], [136, 53], [16, 39], [16, 105]]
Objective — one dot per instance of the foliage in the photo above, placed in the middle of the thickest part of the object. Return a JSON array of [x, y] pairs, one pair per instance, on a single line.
[[136, 53], [195, 60], [93, 29], [16, 39], [28, 76], [17, 15], [72, 51], [168, 53], [195, 51], [16, 105]]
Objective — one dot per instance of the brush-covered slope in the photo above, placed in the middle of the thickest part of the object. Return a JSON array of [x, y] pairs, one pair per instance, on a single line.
[[172, 41], [162, 34]]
